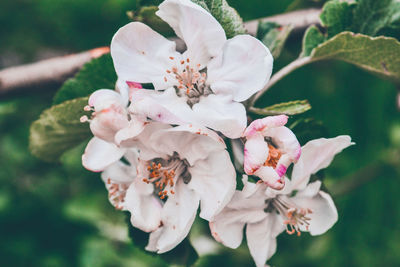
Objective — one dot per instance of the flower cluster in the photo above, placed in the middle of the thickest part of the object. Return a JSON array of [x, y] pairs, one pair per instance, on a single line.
[[161, 149]]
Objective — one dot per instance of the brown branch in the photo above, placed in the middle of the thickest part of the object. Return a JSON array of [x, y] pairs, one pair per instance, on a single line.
[[57, 70]]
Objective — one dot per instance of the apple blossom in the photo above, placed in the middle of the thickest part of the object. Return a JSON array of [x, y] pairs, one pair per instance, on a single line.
[[269, 149], [206, 83], [300, 206], [178, 169]]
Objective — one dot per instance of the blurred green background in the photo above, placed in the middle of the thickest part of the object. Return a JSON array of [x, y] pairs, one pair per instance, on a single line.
[[59, 215]]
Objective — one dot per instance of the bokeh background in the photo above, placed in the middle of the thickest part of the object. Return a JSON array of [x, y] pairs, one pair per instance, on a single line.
[[59, 215]]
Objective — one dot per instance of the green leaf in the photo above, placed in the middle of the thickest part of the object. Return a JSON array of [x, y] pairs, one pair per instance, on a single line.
[[273, 36], [147, 15], [337, 16], [303, 4], [371, 16], [288, 108], [96, 74], [183, 254], [58, 129], [312, 38], [226, 16], [380, 55]]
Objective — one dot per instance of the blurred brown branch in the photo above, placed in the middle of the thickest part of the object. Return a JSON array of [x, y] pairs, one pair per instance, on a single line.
[[57, 70]]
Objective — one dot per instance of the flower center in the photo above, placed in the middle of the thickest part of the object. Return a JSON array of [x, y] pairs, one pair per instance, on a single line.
[[273, 156], [191, 81], [293, 215], [164, 174], [116, 193]]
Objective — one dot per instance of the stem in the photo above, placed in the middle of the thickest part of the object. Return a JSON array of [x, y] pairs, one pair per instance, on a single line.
[[280, 74]]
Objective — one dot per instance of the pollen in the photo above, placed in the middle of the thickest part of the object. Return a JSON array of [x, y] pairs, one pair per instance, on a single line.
[[273, 156]]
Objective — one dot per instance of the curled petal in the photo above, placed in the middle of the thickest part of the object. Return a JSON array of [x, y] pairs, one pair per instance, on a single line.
[[243, 68], [260, 125], [270, 177], [255, 154]]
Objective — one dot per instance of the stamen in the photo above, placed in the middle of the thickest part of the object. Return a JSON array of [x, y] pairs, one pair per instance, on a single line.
[[294, 216], [273, 156]]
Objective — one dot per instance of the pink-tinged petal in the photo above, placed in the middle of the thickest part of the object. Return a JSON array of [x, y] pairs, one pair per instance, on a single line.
[[107, 123], [255, 154], [221, 114], [128, 135], [214, 180], [104, 98], [100, 154], [178, 215], [203, 35], [270, 177], [258, 126], [243, 68], [316, 155], [144, 207], [165, 107], [261, 238], [324, 214], [142, 55]]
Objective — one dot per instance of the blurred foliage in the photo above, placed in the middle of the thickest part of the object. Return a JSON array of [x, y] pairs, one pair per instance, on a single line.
[[59, 215]]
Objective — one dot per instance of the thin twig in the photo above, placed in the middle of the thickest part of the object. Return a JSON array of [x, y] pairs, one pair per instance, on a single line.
[[280, 74], [57, 70], [46, 72]]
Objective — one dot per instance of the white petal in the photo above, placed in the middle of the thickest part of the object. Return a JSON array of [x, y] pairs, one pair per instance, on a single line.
[[220, 113], [255, 153], [238, 153], [316, 155], [203, 35], [243, 68], [190, 146], [214, 180], [178, 215], [123, 89], [144, 207], [128, 135], [324, 214], [100, 154], [227, 226], [142, 55], [261, 238]]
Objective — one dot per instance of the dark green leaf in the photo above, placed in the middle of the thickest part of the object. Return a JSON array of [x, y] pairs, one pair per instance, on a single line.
[[302, 4], [288, 108], [59, 129], [96, 74], [380, 55], [273, 36], [312, 38], [226, 16], [337, 16], [308, 129], [371, 16]]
